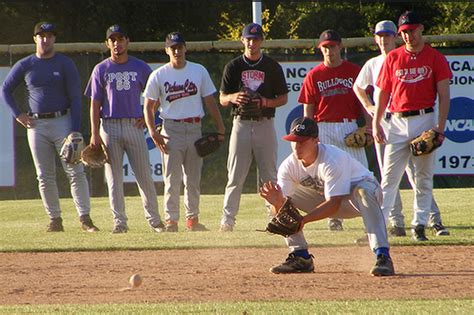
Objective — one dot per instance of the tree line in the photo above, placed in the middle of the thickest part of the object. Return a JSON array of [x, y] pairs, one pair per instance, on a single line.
[[206, 20]]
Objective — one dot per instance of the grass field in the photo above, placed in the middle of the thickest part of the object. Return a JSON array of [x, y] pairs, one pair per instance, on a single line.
[[23, 230]]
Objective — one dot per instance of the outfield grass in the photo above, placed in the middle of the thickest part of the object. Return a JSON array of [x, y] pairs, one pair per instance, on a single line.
[[24, 222]]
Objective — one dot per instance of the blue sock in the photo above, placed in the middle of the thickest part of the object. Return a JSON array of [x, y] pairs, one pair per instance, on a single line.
[[302, 253], [382, 250]]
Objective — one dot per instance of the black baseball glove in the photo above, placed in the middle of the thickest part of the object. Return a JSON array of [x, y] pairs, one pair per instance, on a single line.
[[208, 144], [287, 221], [426, 143], [253, 108]]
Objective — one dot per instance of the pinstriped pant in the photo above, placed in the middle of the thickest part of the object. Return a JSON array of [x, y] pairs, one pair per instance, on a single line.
[[121, 136], [45, 140]]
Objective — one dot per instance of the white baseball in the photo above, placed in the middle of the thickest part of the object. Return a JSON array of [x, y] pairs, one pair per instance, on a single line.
[[135, 280]]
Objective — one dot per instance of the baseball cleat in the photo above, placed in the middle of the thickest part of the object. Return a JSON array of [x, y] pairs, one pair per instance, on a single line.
[[119, 229], [397, 231], [56, 225], [226, 228], [193, 225], [171, 226], [159, 228], [335, 225], [294, 264], [87, 225], [383, 266], [440, 230], [418, 233]]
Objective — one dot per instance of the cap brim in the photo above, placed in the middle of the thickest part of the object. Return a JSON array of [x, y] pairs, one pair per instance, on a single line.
[[408, 27], [328, 42], [385, 31], [295, 138]]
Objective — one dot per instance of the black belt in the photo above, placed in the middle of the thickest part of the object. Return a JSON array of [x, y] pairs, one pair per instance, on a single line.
[[48, 115], [255, 118], [413, 112]]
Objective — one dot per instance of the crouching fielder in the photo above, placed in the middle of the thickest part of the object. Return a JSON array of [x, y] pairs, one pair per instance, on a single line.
[[324, 181]]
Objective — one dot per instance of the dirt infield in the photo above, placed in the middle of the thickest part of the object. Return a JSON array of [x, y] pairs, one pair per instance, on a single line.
[[231, 275]]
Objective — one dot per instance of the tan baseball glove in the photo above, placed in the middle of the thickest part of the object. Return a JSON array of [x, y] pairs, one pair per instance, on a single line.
[[359, 138], [426, 143], [72, 147], [95, 157]]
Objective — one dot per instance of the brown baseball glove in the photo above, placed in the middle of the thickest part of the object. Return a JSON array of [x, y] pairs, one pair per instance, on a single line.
[[253, 108], [426, 143], [359, 138], [95, 157], [287, 221]]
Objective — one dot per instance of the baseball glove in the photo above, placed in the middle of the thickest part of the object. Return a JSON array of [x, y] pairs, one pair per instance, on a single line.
[[287, 221], [95, 157], [72, 147], [426, 143], [359, 138], [208, 144], [254, 106]]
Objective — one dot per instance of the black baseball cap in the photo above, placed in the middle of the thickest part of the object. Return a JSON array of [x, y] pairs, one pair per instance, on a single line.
[[329, 37], [44, 27], [174, 38], [252, 30], [409, 20], [115, 29], [302, 129]]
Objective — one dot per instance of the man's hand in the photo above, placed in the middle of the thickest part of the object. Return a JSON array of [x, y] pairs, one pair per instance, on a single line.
[[240, 98], [272, 194], [377, 132], [159, 141], [95, 140], [140, 123], [25, 120]]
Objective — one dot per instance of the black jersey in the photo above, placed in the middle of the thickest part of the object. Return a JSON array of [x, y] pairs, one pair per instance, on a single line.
[[264, 76]]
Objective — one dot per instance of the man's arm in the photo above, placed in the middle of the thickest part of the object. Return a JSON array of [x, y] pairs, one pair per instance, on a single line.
[[308, 110], [211, 107], [443, 101], [73, 92], [324, 210], [382, 103], [364, 99], [238, 98], [149, 109], [95, 123], [278, 101]]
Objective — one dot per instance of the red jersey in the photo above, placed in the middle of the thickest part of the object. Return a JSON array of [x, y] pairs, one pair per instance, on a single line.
[[330, 90], [411, 78]]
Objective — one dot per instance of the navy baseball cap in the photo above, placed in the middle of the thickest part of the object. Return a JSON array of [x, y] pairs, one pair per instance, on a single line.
[[329, 37], [252, 30], [408, 21], [385, 27], [44, 27], [174, 38], [302, 129], [115, 29]]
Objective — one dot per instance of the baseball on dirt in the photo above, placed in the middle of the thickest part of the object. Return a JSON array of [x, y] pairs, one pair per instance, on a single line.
[[135, 280]]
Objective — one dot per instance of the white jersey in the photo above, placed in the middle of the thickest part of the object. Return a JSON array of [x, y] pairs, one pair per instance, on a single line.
[[332, 174], [369, 73], [180, 91]]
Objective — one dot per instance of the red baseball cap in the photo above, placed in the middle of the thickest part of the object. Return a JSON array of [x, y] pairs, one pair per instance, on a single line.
[[408, 21], [329, 37]]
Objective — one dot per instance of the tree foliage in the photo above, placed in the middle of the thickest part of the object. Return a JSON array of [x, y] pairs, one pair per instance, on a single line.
[[151, 20]]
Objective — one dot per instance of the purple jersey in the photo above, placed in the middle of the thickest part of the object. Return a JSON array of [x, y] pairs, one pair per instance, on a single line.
[[53, 84], [118, 87]]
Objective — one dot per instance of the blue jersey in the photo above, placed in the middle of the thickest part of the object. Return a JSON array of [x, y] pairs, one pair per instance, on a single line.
[[53, 85]]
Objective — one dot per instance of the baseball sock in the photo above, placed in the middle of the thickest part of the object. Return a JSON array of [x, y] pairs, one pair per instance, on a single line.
[[382, 251], [302, 253]]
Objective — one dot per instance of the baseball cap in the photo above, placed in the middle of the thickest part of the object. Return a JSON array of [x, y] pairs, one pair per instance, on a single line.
[[43, 27], [408, 21], [385, 27], [329, 37], [115, 29], [302, 128], [173, 39], [252, 30]]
